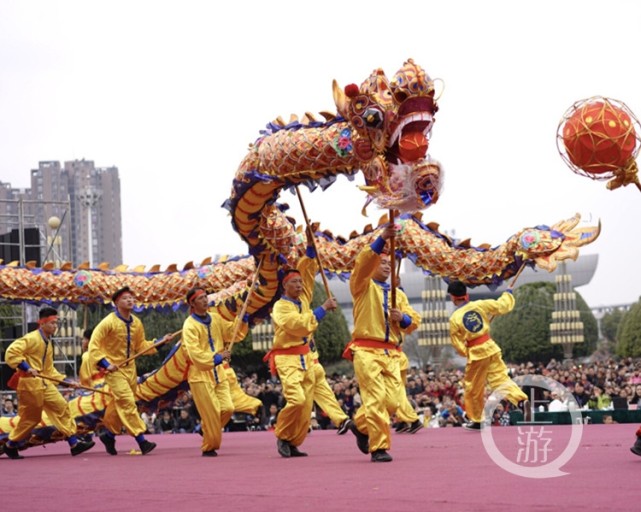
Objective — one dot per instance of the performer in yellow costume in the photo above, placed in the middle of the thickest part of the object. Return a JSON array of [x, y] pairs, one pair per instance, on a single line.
[[377, 335], [290, 357], [87, 376], [32, 355], [470, 336], [242, 402], [203, 340], [405, 414], [325, 397], [117, 337]]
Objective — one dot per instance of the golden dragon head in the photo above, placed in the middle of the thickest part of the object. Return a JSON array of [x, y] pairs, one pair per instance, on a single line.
[[392, 122]]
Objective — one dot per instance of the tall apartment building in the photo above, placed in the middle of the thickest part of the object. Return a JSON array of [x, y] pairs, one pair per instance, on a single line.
[[87, 201], [95, 201]]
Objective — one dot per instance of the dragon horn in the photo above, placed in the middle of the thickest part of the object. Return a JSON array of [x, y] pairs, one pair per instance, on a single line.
[[340, 98]]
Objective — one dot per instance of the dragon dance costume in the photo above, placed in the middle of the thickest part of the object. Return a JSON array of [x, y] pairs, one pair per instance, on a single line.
[[323, 394], [294, 324], [405, 412], [470, 336], [203, 341], [375, 345], [36, 395], [241, 401], [113, 341]]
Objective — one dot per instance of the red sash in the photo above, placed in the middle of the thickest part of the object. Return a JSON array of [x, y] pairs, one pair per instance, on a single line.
[[383, 345], [15, 378], [478, 341], [298, 350]]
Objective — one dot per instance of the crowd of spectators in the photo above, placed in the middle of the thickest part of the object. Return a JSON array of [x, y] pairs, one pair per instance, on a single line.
[[435, 393]]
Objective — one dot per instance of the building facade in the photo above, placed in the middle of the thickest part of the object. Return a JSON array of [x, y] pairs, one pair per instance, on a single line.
[[84, 197]]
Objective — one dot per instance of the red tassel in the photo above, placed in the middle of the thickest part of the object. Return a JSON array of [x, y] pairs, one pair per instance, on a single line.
[[351, 90]]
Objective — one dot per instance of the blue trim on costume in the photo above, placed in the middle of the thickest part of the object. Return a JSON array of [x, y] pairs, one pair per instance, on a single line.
[[206, 321], [406, 321], [319, 313], [378, 245], [299, 305], [128, 324], [24, 366]]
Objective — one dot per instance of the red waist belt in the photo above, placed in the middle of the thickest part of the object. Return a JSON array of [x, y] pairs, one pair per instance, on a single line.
[[478, 341], [383, 345], [298, 350], [15, 378], [99, 375]]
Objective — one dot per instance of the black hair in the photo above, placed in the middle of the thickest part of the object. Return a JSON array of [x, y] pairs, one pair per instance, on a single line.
[[457, 289], [47, 311], [119, 292]]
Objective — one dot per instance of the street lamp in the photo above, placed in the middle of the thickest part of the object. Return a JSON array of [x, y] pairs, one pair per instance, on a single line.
[[54, 241]]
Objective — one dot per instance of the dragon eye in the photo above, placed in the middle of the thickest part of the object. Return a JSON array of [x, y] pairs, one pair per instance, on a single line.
[[373, 118]]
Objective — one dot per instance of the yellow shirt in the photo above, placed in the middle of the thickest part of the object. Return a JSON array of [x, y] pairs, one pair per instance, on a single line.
[[472, 320], [372, 301], [109, 341], [87, 376], [36, 352], [196, 343], [295, 323]]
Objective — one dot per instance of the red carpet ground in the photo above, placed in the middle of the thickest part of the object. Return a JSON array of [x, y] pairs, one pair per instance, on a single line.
[[444, 469]]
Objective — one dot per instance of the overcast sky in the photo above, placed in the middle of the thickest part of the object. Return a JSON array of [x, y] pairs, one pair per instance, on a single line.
[[172, 93]]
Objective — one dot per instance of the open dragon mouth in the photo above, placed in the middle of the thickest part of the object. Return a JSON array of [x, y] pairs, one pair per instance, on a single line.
[[410, 135]]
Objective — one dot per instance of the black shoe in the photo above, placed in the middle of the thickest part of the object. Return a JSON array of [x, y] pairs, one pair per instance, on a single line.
[[415, 427], [81, 446], [109, 442], [146, 446], [295, 452], [362, 440], [472, 425], [210, 453], [344, 426], [636, 447], [402, 427], [12, 453], [284, 448], [381, 456]]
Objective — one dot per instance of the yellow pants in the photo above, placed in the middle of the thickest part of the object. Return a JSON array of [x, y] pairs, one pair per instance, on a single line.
[[241, 400], [405, 411], [298, 389], [379, 382], [34, 398], [122, 410], [325, 397], [493, 372], [225, 402], [206, 400]]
